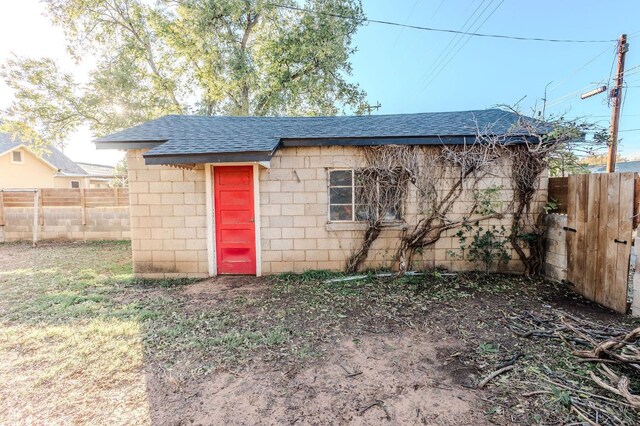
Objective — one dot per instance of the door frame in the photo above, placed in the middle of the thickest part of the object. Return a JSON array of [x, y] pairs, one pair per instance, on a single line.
[[211, 205]]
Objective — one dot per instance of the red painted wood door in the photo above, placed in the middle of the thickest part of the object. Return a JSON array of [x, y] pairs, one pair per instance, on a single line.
[[235, 220]]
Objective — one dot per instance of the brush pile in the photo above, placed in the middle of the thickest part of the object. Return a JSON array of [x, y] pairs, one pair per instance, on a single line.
[[610, 355]]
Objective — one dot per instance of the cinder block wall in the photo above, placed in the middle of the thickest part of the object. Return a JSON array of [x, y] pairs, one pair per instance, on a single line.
[[168, 219], [297, 236], [555, 262], [102, 223]]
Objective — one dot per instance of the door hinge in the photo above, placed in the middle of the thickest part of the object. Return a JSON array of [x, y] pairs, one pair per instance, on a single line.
[[620, 241], [566, 228]]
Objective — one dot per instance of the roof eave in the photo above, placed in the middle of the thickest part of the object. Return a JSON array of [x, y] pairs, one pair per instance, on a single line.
[[210, 157], [127, 144]]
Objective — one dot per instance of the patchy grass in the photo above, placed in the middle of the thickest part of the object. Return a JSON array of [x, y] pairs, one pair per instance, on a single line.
[[82, 341]]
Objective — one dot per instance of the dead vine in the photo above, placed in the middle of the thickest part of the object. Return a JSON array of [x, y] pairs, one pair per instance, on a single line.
[[381, 190], [462, 167], [444, 176]]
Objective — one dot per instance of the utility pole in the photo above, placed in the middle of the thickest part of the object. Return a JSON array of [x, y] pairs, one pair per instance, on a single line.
[[369, 107], [616, 96]]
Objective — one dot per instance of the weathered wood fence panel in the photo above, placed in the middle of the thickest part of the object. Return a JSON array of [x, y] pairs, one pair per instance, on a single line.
[[559, 193], [68, 197], [70, 213], [600, 219]]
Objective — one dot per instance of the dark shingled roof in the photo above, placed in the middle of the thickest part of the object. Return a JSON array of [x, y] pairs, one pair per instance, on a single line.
[[626, 166], [53, 156], [191, 136]]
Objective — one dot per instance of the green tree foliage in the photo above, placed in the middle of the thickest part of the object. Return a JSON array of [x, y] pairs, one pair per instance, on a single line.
[[235, 57], [568, 157]]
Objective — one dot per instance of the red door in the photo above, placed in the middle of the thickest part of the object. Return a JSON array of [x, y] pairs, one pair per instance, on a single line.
[[235, 221]]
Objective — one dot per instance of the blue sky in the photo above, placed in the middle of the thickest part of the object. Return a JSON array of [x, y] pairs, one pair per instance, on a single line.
[[393, 64]]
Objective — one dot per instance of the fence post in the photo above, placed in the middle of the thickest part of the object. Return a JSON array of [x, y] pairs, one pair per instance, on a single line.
[[36, 205], [41, 209], [83, 206], [635, 282], [1, 207]]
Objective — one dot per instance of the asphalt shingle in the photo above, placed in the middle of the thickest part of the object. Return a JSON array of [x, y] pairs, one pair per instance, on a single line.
[[182, 134]]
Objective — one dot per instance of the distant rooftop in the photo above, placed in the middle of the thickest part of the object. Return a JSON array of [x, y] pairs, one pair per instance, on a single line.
[[53, 156], [627, 166], [97, 169]]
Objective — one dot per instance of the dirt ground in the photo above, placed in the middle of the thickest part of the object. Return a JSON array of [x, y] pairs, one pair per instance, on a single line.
[[398, 378], [83, 342], [419, 373]]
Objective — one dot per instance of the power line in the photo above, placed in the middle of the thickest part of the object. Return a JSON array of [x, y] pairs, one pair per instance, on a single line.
[[629, 130], [578, 70], [405, 21], [563, 98], [456, 39], [437, 9], [440, 30], [558, 100], [464, 43]]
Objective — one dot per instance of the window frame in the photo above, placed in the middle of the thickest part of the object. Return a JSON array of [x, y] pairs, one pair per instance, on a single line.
[[13, 160], [353, 199], [77, 182]]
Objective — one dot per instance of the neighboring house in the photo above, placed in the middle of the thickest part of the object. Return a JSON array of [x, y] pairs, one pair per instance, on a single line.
[[251, 195], [627, 166], [21, 168], [101, 176]]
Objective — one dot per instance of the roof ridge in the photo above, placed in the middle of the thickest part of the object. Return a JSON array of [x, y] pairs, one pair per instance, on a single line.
[[195, 116]]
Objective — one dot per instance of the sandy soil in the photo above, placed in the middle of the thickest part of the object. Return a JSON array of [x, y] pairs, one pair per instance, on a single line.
[[372, 379]]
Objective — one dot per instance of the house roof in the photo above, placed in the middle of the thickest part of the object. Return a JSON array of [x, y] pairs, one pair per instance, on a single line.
[[53, 156], [97, 169], [627, 166], [182, 138]]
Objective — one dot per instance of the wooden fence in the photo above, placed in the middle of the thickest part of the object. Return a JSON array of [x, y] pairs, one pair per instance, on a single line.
[[602, 211], [69, 213], [559, 193], [63, 197]]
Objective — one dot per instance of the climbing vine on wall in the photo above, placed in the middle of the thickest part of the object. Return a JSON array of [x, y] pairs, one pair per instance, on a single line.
[[445, 176]]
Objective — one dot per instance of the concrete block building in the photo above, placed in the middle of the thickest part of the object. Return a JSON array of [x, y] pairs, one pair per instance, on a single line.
[[265, 195]]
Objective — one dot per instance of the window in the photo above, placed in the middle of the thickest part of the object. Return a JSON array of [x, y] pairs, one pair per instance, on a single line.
[[16, 157], [341, 195], [75, 184], [346, 189]]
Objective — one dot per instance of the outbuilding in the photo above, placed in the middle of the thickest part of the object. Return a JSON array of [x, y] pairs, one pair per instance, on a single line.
[[261, 195]]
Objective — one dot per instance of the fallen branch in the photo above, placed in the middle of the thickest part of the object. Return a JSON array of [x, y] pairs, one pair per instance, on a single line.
[[534, 393], [493, 375], [510, 361], [378, 403], [380, 275], [583, 416], [349, 372], [618, 385]]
